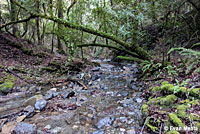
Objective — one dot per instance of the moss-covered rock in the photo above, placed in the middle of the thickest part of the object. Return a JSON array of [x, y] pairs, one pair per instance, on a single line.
[[175, 120], [6, 87], [181, 111], [168, 100], [188, 102], [182, 90], [195, 92], [145, 110], [157, 88], [167, 88], [173, 132], [164, 82]]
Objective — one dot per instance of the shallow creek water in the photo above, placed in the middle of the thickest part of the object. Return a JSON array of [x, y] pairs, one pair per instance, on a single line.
[[110, 105]]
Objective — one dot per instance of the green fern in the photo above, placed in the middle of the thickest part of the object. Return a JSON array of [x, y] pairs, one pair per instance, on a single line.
[[191, 58]]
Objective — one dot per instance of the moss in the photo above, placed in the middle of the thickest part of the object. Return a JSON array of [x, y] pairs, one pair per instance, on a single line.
[[198, 126], [194, 102], [168, 100], [194, 117], [144, 110], [164, 82], [169, 88], [183, 90], [175, 120], [151, 101], [152, 128], [181, 111], [173, 132], [49, 69], [157, 88], [195, 92], [6, 87]]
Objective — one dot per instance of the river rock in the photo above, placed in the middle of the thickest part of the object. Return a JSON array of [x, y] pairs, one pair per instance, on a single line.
[[68, 94], [131, 131], [107, 121], [98, 132], [41, 104], [32, 100], [25, 128], [29, 111], [47, 127], [56, 130]]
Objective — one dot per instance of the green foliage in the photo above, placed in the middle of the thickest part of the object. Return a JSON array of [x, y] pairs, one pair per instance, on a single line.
[[178, 86], [191, 59]]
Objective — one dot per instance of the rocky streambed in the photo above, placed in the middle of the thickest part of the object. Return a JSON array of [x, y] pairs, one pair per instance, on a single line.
[[104, 100]]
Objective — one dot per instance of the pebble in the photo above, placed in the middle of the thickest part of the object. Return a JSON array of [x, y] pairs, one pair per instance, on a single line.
[[47, 127], [56, 130], [98, 132], [122, 129], [29, 111], [131, 131], [75, 127], [107, 121], [25, 128], [41, 104], [139, 100]]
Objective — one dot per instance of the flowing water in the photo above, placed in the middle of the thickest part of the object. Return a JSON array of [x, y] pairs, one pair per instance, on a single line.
[[110, 105]]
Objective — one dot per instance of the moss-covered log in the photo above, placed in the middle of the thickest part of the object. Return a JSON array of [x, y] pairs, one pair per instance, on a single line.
[[110, 46], [135, 47]]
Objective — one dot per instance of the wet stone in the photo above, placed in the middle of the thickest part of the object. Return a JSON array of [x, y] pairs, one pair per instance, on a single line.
[[139, 100], [68, 94], [107, 121], [25, 128], [131, 131], [105, 88], [96, 69], [56, 130], [29, 111], [123, 93], [47, 127], [41, 104], [49, 95], [95, 77], [98, 132]]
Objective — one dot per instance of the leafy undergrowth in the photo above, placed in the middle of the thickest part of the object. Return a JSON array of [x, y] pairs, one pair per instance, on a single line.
[[173, 97]]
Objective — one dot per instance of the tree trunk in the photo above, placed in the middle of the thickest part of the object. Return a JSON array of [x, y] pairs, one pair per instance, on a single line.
[[37, 20], [13, 15], [60, 16]]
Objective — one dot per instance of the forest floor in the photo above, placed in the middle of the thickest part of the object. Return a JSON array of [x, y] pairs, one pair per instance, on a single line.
[[41, 94]]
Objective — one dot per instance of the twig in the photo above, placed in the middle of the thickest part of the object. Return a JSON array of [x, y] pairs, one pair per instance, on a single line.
[[10, 114], [144, 125], [161, 128]]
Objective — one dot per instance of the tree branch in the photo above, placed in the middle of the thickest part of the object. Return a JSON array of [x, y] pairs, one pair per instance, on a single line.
[[194, 5], [110, 46], [16, 22]]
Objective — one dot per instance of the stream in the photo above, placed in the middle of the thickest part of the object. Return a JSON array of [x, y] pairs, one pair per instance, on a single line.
[[103, 100]]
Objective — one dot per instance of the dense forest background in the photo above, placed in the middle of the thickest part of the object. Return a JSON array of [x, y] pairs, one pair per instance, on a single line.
[[129, 25]]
